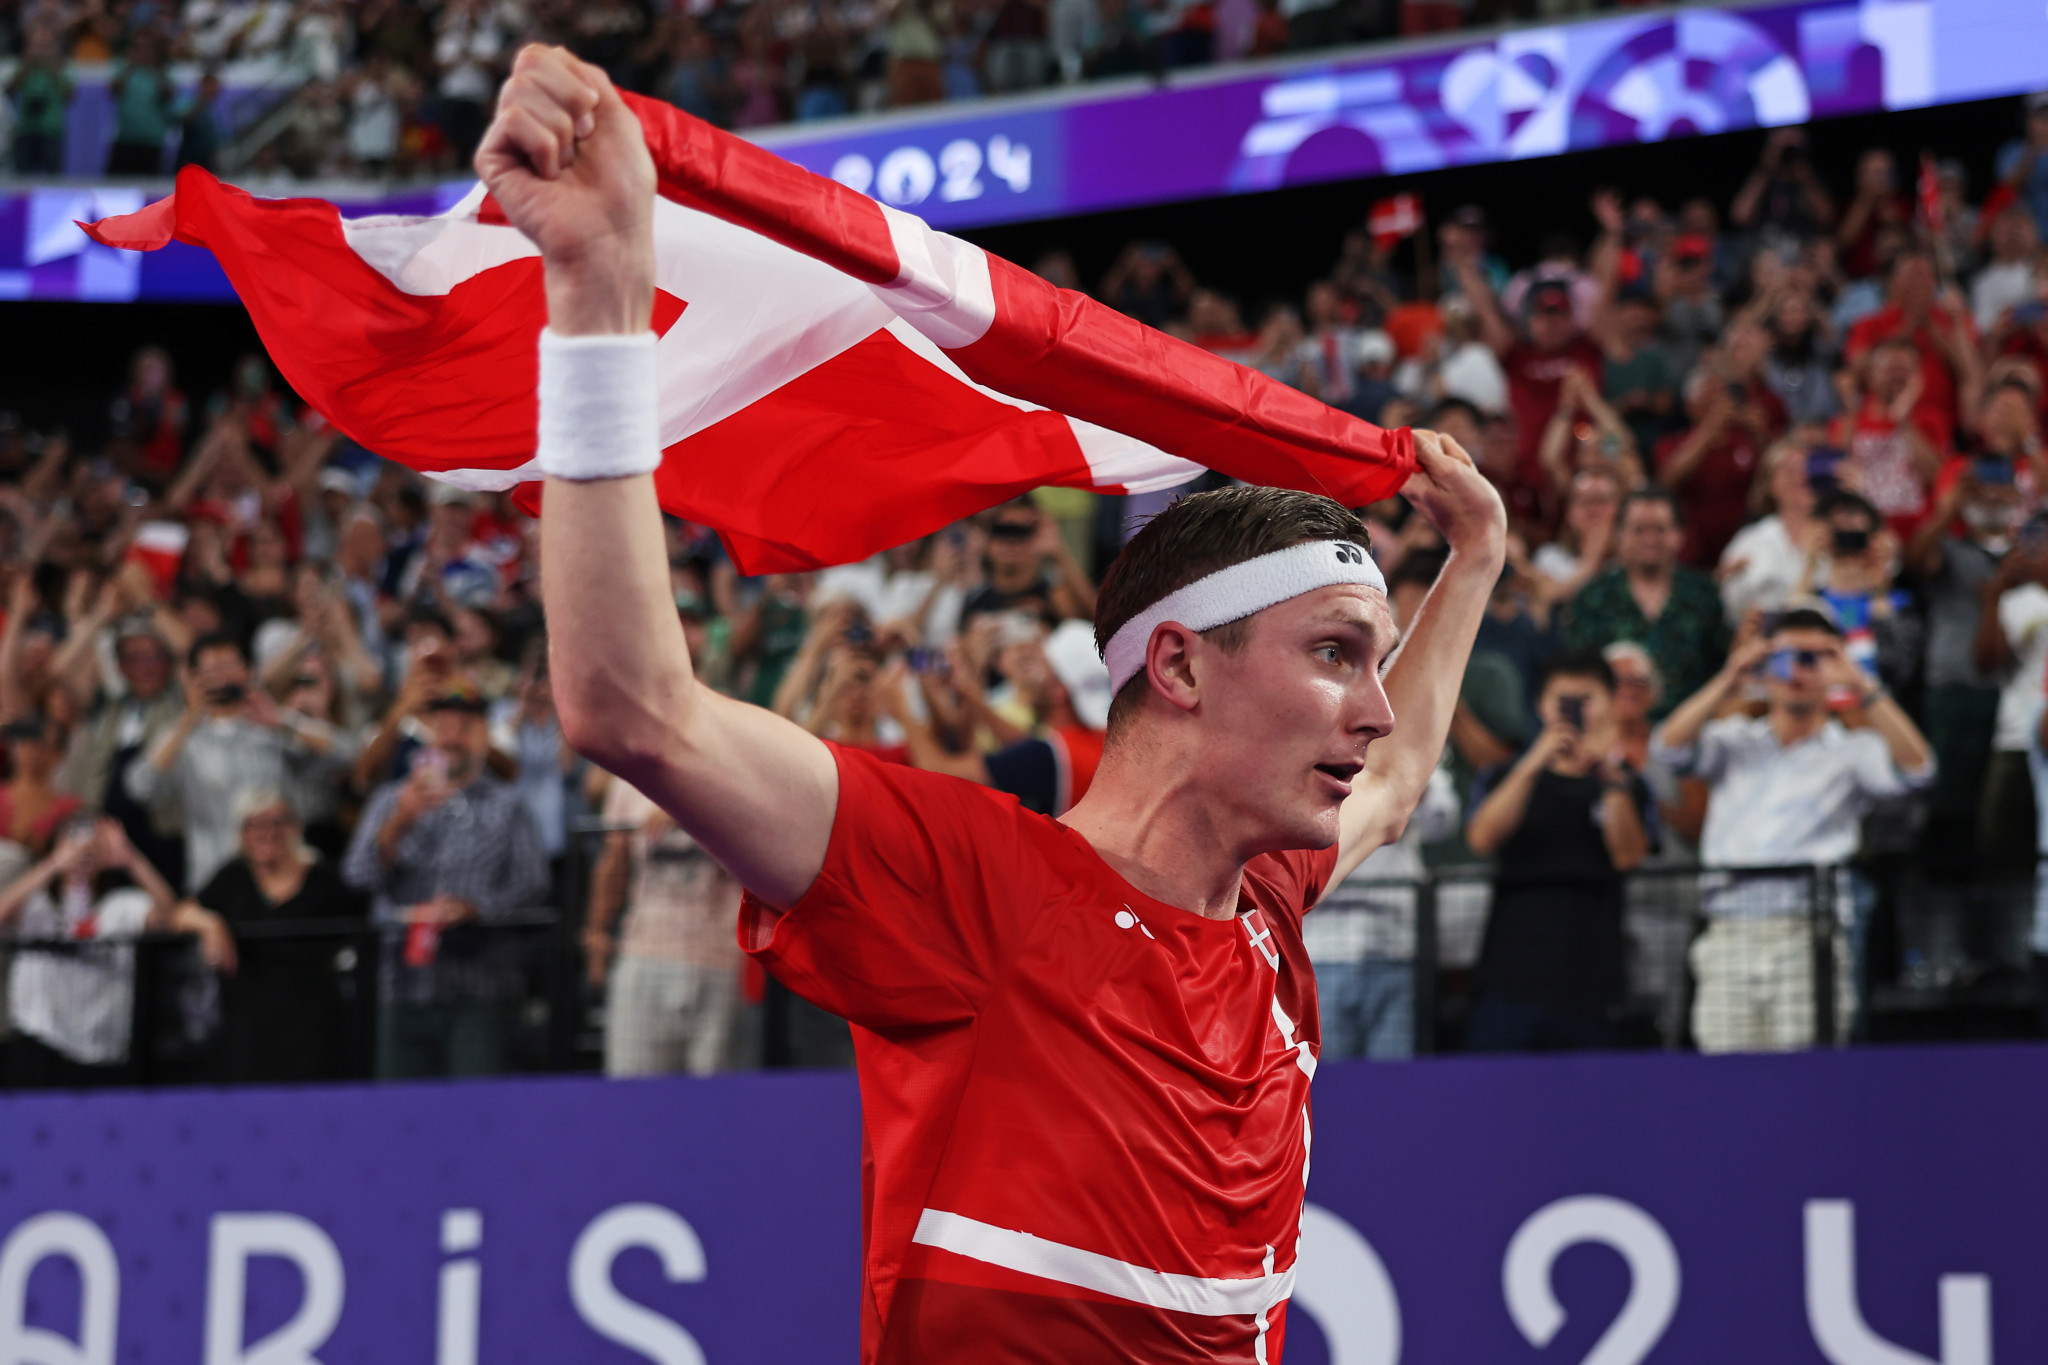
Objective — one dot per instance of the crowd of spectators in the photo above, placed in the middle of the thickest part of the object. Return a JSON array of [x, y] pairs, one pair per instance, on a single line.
[[403, 86], [1777, 596]]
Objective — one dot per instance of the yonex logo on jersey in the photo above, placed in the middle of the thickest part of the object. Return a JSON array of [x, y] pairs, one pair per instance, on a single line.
[[1127, 918], [1350, 554]]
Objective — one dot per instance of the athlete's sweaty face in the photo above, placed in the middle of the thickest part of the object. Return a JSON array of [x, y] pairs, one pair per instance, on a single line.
[[1287, 718]]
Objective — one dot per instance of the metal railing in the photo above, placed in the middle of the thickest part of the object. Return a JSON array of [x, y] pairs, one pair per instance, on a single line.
[[1710, 959], [307, 1002]]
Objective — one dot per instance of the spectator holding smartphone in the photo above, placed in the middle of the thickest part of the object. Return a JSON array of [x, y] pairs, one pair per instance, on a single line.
[[229, 739], [1064, 683], [1030, 569], [2012, 643], [448, 848], [1563, 823], [1960, 556], [1785, 788]]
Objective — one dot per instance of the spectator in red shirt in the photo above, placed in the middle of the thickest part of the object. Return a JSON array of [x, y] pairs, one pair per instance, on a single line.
[[1941, 336], [1878, 205], [151, 414], [1712, 465], [1536, 360], [1893, 443]]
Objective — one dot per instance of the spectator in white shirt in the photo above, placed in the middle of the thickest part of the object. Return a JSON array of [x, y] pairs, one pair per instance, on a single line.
[[70, 1004], [1762, 565], [2012, 642], [2037, 763], [2007, 279], [892, 587], [230, 737], [1361, 938], [1786, 788]]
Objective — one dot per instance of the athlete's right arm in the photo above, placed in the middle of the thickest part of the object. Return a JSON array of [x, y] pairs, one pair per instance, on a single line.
[[566, 161]]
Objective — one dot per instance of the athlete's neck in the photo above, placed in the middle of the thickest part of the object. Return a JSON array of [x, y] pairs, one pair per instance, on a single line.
[[1166, 838]]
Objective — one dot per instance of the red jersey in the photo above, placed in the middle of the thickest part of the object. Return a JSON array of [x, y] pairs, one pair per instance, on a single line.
[[1893, 478], [1534, 378], [1086, 1122], [1936, 411]]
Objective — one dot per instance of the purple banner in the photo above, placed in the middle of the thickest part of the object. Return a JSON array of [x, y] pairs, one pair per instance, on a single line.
[[1525, 92], [1867, 1208]]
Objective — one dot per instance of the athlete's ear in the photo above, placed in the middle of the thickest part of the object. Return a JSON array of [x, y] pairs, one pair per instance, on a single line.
[[1170, 664]]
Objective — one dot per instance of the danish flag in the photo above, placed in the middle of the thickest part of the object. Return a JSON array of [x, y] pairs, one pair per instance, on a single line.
[[836, 377]]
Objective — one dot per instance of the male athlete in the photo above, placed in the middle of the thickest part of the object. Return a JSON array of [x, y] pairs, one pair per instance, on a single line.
[[1085, 1044]]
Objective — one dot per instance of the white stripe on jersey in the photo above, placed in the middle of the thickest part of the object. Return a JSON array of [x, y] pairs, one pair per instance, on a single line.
[[1022, 1252]]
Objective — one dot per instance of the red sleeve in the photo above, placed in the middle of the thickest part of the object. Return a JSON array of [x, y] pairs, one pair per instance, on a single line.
[[926, 881], [1295, 879], [1867, 332]]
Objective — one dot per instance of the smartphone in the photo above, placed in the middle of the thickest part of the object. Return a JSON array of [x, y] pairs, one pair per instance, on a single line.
[[1019, 628], [859, 635], [925, 660], [1571, 709], [1992, 469], [1823, 469], [2033, 537], [1848, 540], [430, 762]]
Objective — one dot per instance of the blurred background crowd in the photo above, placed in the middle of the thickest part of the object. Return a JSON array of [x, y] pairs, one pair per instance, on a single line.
[[1777, 599], [402, 87]]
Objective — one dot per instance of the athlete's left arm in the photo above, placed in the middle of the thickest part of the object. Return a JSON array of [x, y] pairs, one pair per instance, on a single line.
[[1424, 678]]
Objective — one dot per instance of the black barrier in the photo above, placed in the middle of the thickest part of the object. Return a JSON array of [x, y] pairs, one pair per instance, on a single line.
[[1787, 954], [327, 982], [1716, 960]]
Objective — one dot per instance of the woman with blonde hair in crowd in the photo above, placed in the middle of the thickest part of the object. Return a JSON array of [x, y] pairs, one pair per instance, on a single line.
[[1585, 539], [283, 1015], [1762, 565]]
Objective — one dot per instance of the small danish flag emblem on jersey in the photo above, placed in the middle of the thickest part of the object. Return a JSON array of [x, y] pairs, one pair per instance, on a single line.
[[1260, 936]]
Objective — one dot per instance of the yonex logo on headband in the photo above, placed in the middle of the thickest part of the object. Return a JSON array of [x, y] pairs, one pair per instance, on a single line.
[[1236, 592]]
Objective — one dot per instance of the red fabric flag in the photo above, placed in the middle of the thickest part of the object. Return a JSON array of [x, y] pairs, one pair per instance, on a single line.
[[1394, 218], [835, 376], [1932, 214]]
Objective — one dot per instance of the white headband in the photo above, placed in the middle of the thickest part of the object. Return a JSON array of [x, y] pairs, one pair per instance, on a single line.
[[1236, 592]]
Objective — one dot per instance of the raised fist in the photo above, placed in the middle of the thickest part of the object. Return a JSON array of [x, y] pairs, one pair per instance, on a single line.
[[566, 160]]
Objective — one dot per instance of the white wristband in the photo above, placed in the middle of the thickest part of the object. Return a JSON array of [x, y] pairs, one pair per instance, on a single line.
[[597, 406]]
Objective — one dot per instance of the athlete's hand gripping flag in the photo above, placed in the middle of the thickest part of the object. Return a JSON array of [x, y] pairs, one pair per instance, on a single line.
[[835, 376]]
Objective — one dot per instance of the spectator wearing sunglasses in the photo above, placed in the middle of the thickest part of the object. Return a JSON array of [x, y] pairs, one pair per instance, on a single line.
[[1030, 569], [1785, 788]]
